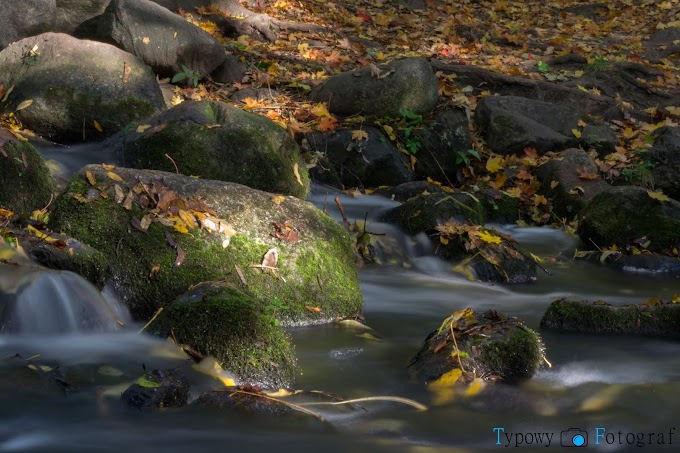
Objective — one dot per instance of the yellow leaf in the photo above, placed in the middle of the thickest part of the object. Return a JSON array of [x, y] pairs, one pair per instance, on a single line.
[[114, 176], [146, 40], [359, 135], [474, 388], [447, 379], [489, 237], [539, 200], [142, 127], [180, 227], [536, 258], [320, 110], [554, 184], [97, 126], [578, 73], [675, 299], [582, 88], [296, 172], [90, 178], [494, 164], [582, 123], [657, 195], [187, 218], [389, 131], [576, 133], [514, 192], [278, 199], [23, 104], [40, 235]]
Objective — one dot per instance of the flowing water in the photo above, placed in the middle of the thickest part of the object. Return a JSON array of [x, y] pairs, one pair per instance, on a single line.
[[602, 385]]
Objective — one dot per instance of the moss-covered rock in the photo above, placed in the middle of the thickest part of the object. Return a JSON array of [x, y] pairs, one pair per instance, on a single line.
[[622, 215], [314, 277], [656, 319], [25, 181], [236, 328], [490, 347], [218, 141]]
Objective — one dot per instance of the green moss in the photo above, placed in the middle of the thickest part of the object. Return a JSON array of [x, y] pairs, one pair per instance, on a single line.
[[516, 357], [233, 326], [24, 186]]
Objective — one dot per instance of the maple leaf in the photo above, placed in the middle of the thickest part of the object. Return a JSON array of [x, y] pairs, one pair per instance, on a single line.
[[489, 237], [494, 164], [328, 124], [359, 135]]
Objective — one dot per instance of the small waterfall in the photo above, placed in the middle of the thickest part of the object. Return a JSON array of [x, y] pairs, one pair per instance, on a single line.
[[46, 302]]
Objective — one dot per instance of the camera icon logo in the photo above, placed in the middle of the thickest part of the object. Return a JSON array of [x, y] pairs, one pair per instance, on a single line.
[[574, 437]]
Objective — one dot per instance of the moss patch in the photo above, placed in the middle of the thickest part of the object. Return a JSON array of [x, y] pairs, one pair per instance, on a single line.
[[25, 181]]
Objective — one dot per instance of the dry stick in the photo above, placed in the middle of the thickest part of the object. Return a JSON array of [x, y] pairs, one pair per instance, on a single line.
[[455, 343], [173, 163], [153, 318], [286, 403], [342, 212]]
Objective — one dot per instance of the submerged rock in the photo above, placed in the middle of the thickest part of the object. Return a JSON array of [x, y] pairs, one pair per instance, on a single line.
[[178, 231], [238, 329], [25, 181], [158, 389], [490, 346], [217, 141], [408, 84], [654, 319], [78, 90]]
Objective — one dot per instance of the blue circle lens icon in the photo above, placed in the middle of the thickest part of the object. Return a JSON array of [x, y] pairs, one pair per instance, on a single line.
[[578, 440]]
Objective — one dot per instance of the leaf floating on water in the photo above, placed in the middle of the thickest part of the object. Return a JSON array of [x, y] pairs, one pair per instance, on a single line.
[[24, 104], [90, 178]]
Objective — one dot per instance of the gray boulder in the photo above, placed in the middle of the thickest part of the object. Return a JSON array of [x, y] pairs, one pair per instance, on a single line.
[[408, 84], [578, 181], [76, 87], [162, 39], [664, 158], [79, 17], [628, 215], [25, 18], [370, 162], [442, 142], [217, 141], [511, 123]]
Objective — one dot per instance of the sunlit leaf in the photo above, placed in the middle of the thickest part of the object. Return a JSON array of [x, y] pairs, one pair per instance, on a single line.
[[489, 237], [657, 195], [493, 164], [97, 126], [359, 135], [114, 176]]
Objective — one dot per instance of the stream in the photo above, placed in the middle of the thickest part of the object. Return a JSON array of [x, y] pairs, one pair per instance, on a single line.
[[603, 385]]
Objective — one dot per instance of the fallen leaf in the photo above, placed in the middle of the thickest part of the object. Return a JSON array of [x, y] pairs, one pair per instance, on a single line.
[[576, 133], [296, 172], [657, 195], [493, 164], [313, 309], [489, 237], [278, 199], [359, 135], [97, 126], [114, 176], [23, 104], [142, 127], [90, 178], [271, 258], [554, 184]]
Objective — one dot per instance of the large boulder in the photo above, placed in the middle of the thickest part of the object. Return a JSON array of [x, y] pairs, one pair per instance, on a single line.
[[629, 215], [238, 329], [215, 140], [511, 123], [367, 162], [79, 17], [664, 160], [271, 245], [25, 18], [78, 90], [25, 181], [488, 346], [408, 84], [570, 180], [162, 39]]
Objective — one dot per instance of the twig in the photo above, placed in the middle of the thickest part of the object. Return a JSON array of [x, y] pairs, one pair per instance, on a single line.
[[153, 318], [342, 212], [173, 162]]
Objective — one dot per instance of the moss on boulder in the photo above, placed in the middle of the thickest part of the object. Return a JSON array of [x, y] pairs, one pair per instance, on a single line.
[[315, 275], [658, 319], [236, 328], [25, 181], [218, 141]]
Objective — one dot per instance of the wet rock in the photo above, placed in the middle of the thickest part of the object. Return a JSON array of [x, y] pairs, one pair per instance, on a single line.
[[158, 389], [76, 87], [442, 144], [656, 319], [578, 181], [162, 39], [488, 345], [664, 158], [237, 328], [512, 123], [652, 264], [25, 181], [314, 268], [408, 84], [217, 141], [26, 18], [370, 162], [628, 215], [245, 401]]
